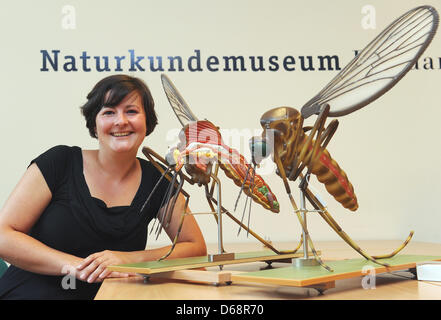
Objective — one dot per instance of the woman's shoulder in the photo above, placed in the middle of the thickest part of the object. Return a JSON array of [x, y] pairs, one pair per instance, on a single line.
[[54, 164], [58, 152]]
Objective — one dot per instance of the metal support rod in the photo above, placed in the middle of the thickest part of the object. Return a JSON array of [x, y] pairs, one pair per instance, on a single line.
[[222, 255], [303, 214], [219, 216], [306, 260]]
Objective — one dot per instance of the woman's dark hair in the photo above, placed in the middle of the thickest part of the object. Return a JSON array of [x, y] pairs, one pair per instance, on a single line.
[[118, 87]]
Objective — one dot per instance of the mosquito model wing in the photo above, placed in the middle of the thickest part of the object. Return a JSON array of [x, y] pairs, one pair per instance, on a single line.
[[177, 102], [379, 66]]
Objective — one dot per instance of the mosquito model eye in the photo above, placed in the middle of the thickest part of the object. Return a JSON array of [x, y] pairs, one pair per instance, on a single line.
[[259, 149]]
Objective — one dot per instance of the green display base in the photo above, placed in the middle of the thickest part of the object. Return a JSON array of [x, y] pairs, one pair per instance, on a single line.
[[153, 267], [343, 269]]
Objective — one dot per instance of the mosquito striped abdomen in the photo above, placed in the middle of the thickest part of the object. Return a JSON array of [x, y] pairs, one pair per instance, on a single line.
[[260, 192], [203, 141], [335, 180]]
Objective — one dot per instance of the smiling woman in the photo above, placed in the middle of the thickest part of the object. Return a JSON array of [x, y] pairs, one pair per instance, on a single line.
[[110, 92], [82, 209], [123, 126]]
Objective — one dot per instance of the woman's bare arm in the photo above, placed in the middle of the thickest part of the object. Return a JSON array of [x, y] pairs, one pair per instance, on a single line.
[[19, 213], [190, 243]]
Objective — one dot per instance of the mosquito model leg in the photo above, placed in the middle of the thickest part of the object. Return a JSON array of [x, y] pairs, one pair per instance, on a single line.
[[181, 223], [298, 246], [305, 154], [167, 204], [310, 149], [173, 201], [333, 224], [296, 210], [296, 249], [390, 255]]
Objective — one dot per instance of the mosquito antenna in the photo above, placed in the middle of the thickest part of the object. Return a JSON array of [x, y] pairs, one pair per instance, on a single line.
[[241, 188], [250, 188], [251, 192], [243, 215]]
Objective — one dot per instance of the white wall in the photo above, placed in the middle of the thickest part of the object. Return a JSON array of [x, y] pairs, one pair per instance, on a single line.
[[390, 149]]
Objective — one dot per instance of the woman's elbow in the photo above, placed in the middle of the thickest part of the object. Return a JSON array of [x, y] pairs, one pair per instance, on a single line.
[[201, 248]]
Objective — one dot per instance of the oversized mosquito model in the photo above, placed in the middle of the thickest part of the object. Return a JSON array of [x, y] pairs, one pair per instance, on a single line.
[[296, 149], [201, 151]]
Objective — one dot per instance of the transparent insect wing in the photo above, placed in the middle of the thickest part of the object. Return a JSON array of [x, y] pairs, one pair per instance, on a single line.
[[177, 102], [380, 65]]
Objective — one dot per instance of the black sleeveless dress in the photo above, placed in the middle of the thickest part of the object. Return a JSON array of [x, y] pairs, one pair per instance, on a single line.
[[79, 224]]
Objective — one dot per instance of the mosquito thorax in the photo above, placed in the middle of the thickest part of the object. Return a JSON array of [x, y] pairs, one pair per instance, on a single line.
[[278, 114]]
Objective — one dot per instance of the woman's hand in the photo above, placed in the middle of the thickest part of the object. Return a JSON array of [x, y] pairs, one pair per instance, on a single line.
[[94, 267]]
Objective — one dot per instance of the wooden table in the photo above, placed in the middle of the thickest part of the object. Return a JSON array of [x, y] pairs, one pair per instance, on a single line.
[[397, 285]]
